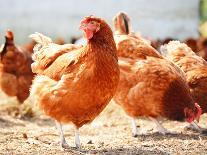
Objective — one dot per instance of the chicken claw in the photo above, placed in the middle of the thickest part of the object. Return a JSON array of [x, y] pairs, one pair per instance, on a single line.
[[194, 127]]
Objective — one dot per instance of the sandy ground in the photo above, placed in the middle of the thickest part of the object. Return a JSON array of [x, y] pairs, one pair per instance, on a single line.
[[110, 133]]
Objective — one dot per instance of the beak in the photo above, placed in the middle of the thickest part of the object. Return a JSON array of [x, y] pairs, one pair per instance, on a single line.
[[82, 26]]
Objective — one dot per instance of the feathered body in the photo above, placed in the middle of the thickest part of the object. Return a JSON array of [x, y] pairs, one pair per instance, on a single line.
[[76, 83], [132, 47], [152, 86]]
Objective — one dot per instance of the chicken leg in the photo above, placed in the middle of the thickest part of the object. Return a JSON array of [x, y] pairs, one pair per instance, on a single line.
[[160, 127], [134, 128], [63, 142], [77, 139]]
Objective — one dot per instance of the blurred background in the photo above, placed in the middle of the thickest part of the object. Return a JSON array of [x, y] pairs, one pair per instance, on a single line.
[[60, 18]]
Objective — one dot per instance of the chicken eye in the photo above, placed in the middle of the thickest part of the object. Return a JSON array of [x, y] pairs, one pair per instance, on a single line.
[[92, 22]]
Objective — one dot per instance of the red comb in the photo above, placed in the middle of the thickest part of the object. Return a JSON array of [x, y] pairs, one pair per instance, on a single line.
[[85, 19]]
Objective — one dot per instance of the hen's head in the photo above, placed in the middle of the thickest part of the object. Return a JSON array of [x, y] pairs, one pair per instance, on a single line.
[[121, 23], [90, 26], [8, 48], [9, 35], [192, 115]]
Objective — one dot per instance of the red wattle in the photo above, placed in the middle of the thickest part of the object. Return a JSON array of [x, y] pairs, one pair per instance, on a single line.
[[88, 34]]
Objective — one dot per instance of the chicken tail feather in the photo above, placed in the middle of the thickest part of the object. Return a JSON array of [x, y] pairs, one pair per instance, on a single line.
[[41, 39]]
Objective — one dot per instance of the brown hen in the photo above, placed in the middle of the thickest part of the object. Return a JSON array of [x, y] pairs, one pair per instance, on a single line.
[[195, 69], [150, 85], [15, 71], [74, 83]]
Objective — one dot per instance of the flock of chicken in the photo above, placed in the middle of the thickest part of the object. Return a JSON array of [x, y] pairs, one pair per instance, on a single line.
[[74, 83]]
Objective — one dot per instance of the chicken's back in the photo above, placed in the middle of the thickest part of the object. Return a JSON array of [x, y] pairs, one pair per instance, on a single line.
[[182, 55], [132, 47]]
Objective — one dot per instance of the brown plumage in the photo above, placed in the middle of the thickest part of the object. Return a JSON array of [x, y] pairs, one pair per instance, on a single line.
[[202, 47], [150, 85], [29, 46], [195, 69], [15, 71], [156, 43], [192, 43], [76, 83]]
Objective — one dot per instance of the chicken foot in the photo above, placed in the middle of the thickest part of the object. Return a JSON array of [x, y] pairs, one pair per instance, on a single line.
[[63, 142], [160, 128], [135, 131], [193, 126]]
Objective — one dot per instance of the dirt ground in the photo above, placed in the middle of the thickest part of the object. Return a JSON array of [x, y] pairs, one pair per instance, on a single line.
[[110, 133]]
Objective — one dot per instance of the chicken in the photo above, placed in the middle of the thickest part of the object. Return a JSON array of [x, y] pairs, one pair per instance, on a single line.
[[15, 71], [195, 69], [149, 84], [74, 83]]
